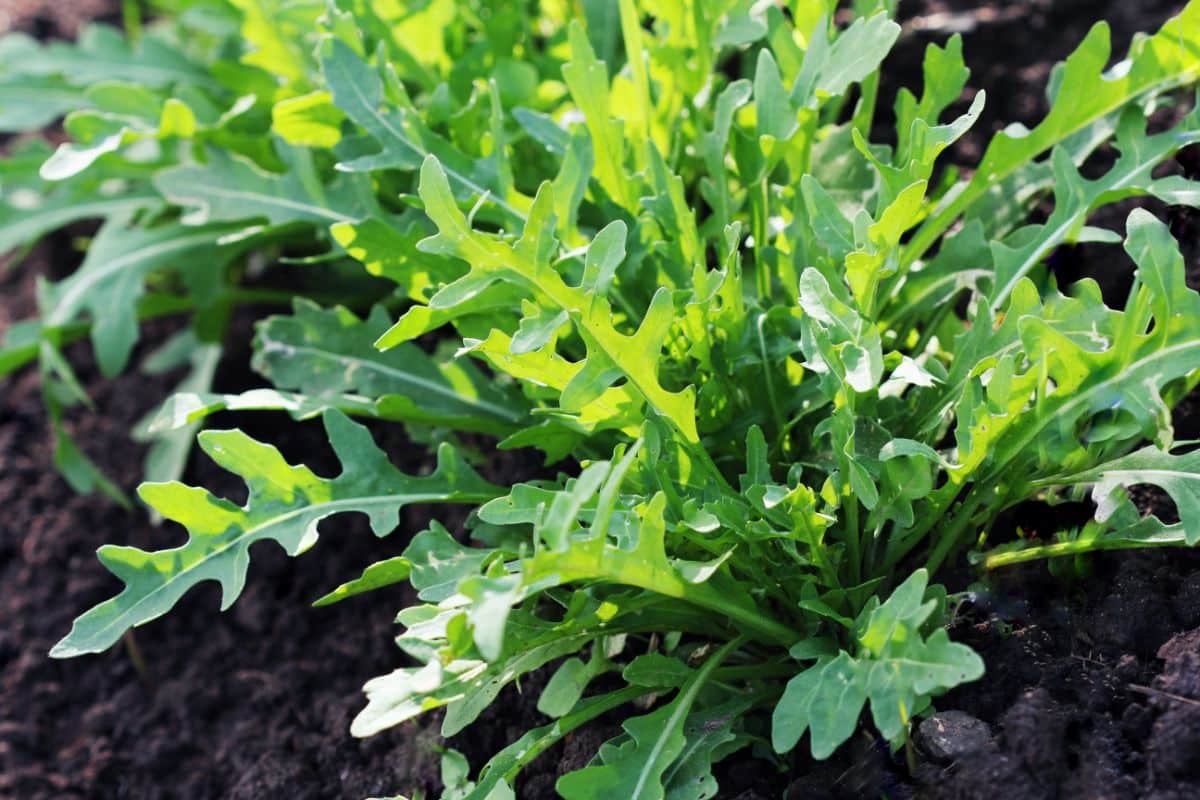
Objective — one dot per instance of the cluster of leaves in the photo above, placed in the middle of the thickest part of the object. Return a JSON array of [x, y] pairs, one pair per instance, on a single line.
[[786, 371]]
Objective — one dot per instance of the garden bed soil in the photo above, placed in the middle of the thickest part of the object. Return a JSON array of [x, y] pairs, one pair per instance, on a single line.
[[1093, 686]]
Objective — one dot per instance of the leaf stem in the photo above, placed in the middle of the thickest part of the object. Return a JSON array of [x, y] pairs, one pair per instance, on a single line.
[[761, 203], [931, 326], [864, 114], [951, 536], [900, 546], [776, 413], [1073, 548], [853, 541], [762, 626], [557, 730]]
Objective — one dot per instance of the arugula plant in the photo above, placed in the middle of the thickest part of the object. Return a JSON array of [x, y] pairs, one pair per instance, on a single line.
[[782, 374]]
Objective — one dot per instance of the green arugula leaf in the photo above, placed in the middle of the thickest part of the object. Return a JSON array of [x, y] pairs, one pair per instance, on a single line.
[[524, 264], [285, 505], [168, 453], [358, 91], [29, 103], [896, 672], [1177, 475], [711, 736], [31, 207], [383, 573], [113, 275], [230, 188], [637, 768], [587, 79], [1083, 94], [104, 54], [318, 353], [1076, 197]]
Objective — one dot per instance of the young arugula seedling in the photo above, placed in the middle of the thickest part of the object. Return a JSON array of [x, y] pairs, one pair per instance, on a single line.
[[788, 373]]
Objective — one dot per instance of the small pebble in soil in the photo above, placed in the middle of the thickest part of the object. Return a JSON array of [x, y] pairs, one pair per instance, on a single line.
[[950, 735]]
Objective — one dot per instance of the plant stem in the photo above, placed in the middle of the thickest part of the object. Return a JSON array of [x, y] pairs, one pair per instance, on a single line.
[[853, 541], [756, 672], [1060, 549], [902, 545], [554, 732], [760, 207], [776, 413], [762, 626], [139, 662], [131, 19], [932, 325], [951, 536], [864, 114]]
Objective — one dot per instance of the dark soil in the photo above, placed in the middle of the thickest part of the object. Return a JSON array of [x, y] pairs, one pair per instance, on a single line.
[[1093, 686], [55, 18], [253, 703]]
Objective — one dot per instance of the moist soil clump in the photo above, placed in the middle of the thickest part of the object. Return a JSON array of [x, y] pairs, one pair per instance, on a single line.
[[1093, 683]]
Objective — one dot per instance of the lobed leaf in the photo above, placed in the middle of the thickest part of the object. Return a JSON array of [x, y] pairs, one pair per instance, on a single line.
[[285, 504]]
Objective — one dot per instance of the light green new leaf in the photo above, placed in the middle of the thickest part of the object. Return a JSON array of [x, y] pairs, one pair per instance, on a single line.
[[310, 120], [587, 78], [278, 33], [126, 115], [878, 256], [389, 252], [525, 264], [376, 576], [548, 374]]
